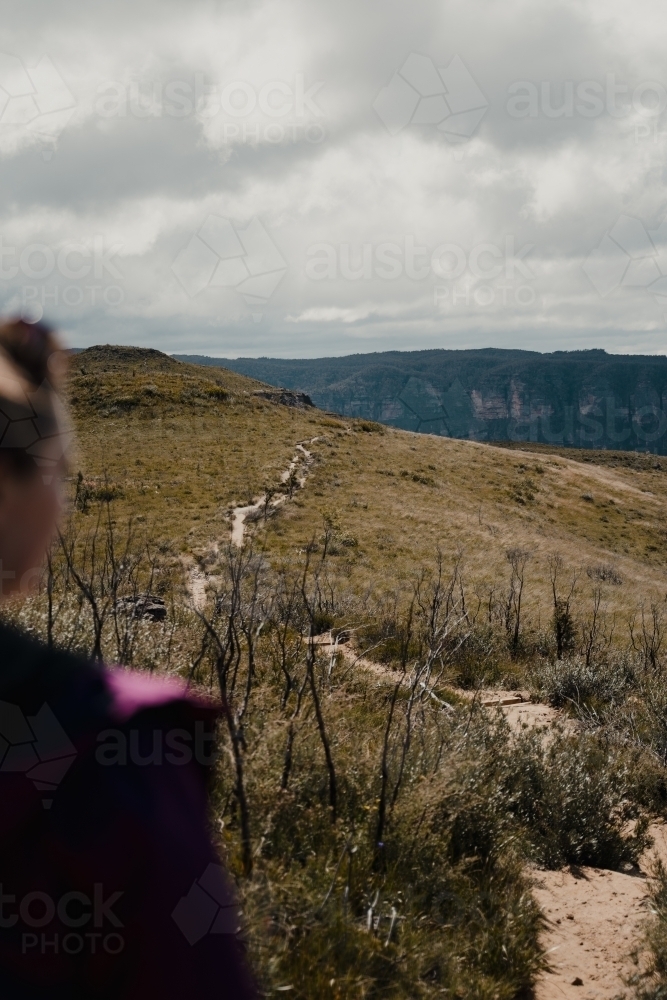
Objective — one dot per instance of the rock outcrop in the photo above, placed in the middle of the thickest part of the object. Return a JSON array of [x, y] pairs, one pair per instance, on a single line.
[[286, 397]]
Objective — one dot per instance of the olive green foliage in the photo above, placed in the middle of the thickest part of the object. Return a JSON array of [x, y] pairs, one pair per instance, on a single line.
[[378, 828], [650, 982], [596, 685]]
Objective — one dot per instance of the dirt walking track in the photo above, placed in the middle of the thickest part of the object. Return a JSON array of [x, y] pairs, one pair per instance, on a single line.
[[594, 916]]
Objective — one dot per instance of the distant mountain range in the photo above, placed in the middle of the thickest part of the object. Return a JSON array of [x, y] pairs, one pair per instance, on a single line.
[[583, 399]]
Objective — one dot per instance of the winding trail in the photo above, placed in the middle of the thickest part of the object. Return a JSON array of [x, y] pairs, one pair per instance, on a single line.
[[516, 705], [302, 461], [593, 916], [197, 579]]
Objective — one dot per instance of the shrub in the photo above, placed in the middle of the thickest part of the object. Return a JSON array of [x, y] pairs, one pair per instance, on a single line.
[[644, 717], [369, 427], [417, 477], [108, 492], [328, 422], [605, 573], [125, 402], [89, 490], [215, 392], [572, 680], [569, 799], [575, 798], [651, 982], [483, 659], [564, 627]]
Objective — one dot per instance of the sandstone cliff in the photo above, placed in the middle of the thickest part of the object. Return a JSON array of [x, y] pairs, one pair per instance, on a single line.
[[586, 399]]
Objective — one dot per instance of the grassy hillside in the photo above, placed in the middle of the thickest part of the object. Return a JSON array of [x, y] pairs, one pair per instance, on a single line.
[[382, 825], [177, 444], [182, 445]]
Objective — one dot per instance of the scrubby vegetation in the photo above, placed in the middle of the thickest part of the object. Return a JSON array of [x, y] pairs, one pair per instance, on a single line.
[[379, 825], [650, 982], [380, 821]]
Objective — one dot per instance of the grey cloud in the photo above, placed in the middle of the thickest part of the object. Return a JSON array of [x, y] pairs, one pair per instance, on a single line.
[[558, 183]]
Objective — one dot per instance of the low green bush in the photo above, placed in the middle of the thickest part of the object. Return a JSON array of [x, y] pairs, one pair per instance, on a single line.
[[569, 799], [573, 681], [650, 981]]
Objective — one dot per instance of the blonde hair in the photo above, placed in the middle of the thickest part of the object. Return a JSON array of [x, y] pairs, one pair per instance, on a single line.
[[34, 429]]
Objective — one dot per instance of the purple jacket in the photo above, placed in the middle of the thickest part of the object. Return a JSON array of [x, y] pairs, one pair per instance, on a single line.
[[109, 884]]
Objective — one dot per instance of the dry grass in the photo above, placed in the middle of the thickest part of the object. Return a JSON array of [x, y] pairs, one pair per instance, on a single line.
[[185, 444], [463, 495], [182, 443], [438, 903]]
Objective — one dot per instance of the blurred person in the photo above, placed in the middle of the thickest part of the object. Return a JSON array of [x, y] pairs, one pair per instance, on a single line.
[[109, 882]]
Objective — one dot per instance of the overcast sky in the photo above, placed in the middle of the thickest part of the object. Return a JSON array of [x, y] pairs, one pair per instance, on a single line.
[[309, 177]]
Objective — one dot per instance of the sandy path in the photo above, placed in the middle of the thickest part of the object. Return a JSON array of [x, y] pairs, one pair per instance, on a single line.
[[519, 710], [594, 916], [594, 919], [302, 459], [517, 707], [239, 515], [197, 580]]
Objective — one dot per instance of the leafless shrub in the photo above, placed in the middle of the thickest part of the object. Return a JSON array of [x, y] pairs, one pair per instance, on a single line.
[[605, 573], [517, 558], [563, 623], [647, 635], [597, 632], [106, 568], [230, 632]]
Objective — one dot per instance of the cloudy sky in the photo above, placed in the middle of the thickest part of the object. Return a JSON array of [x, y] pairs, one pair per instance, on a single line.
[[309, 177]]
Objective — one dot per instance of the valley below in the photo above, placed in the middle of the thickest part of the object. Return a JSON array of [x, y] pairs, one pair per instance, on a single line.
[[575, 399]]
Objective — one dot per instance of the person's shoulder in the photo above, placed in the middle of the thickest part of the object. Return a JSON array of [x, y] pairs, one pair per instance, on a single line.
[[88, 693], [135, 691], [33, 671]]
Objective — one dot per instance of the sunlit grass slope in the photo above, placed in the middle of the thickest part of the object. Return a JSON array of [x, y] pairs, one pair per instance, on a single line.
[[180, 445]]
